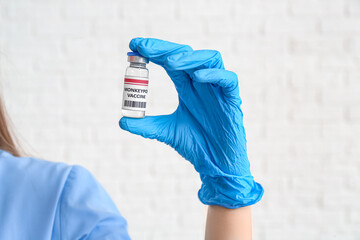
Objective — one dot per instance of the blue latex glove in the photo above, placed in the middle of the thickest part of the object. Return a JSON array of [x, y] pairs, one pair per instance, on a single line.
[[207, 127]]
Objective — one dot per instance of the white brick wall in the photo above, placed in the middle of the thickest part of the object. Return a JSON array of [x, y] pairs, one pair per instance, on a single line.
[[298, 62]]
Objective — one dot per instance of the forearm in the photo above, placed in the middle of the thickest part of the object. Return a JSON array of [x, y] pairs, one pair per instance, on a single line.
[[228, 224]]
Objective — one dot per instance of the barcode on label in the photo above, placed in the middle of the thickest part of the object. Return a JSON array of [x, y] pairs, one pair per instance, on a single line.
[[134, 104]]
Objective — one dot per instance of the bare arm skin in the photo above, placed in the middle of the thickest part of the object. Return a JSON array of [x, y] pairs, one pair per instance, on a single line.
[[228, 224]]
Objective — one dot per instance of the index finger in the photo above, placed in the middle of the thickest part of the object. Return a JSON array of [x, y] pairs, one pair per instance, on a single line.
[[157, 50]]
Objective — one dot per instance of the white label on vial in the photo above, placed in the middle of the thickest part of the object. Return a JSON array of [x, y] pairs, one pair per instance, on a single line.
[[135, 91]]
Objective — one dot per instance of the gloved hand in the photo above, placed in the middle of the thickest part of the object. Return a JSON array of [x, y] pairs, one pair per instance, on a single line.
[[207, 127]]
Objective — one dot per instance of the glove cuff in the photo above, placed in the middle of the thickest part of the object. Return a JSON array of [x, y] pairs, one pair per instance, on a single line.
[[230, 192]]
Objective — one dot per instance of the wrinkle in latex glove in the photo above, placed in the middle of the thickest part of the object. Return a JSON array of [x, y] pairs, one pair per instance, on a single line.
[[207, 127]]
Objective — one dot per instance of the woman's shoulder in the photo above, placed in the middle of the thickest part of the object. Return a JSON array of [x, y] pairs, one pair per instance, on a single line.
[[30, 187], [40, 176], [30, 168], [66, 201]]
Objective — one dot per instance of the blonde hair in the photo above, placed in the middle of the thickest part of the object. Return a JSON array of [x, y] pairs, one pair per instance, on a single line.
[[8, 141]]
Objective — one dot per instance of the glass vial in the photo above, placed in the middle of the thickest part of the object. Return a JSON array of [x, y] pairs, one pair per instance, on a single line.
[[135, 86]]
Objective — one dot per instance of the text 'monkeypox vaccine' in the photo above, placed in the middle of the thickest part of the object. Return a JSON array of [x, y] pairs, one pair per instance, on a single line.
[[135, 86]]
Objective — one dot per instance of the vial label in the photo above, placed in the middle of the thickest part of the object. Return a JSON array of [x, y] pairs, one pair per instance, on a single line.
[[135, 91]]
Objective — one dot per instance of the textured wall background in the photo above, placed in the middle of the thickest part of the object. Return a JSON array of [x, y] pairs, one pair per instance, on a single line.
[[298, 61]]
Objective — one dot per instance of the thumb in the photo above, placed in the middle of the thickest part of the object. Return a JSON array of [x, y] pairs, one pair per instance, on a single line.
[[153, 127]]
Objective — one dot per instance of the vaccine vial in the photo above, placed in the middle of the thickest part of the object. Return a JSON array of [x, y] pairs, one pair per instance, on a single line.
[[135, 86]]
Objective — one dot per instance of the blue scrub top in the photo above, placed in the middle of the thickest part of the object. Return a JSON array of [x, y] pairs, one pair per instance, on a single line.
[[47, 200]]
